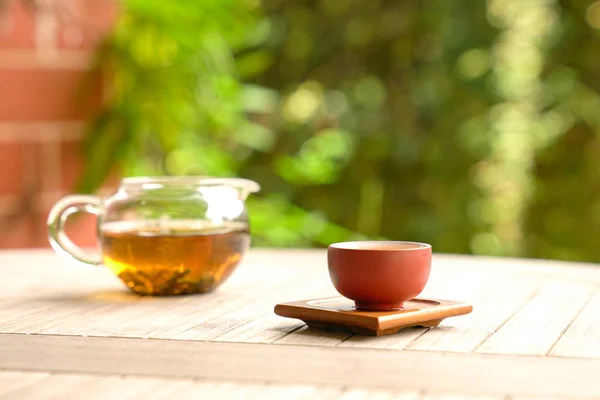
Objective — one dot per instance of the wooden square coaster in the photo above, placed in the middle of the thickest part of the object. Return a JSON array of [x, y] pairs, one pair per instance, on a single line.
[[339, 313]]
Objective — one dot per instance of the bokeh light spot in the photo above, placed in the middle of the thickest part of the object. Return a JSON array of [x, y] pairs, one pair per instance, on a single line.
[[369, 92], [473, 63], [302, 104], [485, 243], [592, 15]]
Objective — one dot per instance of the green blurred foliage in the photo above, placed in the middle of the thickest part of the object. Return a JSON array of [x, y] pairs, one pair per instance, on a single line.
[[471, 125]]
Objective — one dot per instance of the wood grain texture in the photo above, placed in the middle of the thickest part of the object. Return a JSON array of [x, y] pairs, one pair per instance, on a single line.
[[216, 390], [12, 381], [315, 337], [58, 387], [28, 385], [58, 297], [464, 396], [304, 365], [550, 398], [265, 329], [257, 323], [34, 385], [465, 334], [582, 337], [223, 320], [380, 394], [531, 318], [539, 324]]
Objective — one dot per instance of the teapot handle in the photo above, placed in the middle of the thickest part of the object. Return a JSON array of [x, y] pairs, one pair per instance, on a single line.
[[57, 217]]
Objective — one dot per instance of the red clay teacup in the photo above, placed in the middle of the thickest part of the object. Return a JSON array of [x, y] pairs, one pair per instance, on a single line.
[[379, 275]]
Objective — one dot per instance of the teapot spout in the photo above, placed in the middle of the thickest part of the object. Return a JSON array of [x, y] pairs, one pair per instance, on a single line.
[[245, 187]]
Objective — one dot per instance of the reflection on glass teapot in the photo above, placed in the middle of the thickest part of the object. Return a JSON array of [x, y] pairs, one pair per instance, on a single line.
[[164, 235]]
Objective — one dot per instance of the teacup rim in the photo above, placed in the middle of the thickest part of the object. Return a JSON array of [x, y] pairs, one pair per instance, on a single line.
[[363, 245]]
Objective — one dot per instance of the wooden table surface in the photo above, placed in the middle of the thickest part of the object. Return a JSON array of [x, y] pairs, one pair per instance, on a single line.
[[69, 331]]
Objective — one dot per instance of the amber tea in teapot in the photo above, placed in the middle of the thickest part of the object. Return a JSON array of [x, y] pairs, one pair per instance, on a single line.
[[142, 255], [164, 236]]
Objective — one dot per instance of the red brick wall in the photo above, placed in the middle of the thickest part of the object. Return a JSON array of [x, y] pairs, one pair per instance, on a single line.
[[44, 55]]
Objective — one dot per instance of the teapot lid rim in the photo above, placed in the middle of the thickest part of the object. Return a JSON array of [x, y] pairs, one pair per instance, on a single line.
[[247, 184]]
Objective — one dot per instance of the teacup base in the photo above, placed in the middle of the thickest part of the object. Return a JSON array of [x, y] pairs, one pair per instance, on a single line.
[[359, 305]]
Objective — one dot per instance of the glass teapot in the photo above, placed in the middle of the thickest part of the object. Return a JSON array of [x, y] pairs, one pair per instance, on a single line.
[[163, 235]]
